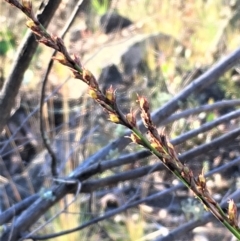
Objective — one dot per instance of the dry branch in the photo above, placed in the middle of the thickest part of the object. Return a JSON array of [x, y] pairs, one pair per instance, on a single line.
[[22, 60]]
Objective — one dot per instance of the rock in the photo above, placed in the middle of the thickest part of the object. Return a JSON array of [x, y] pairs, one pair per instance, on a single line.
[[110, 75], [111, 22], [133, 59]]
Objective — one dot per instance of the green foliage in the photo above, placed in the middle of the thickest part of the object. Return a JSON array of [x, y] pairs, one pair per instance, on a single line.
[[100, 6], [210, 116], [7, 41]]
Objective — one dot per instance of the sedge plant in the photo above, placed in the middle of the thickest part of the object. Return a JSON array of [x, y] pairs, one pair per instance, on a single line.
[[157, 143]]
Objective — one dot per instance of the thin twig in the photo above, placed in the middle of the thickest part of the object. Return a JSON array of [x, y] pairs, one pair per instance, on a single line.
[[164, 112], [29, 116], [204, 108], [45, 138], [78, 189], [188, 155], [184, 137], [16, 209], [126, 206], [108, 214], [90, 186], [142, 154], [217, 142]]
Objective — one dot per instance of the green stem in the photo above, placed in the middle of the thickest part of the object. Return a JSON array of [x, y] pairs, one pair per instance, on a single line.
[[148, 145]]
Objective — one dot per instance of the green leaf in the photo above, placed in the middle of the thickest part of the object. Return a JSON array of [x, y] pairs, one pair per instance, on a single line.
[[210, 116], [7, 42]]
